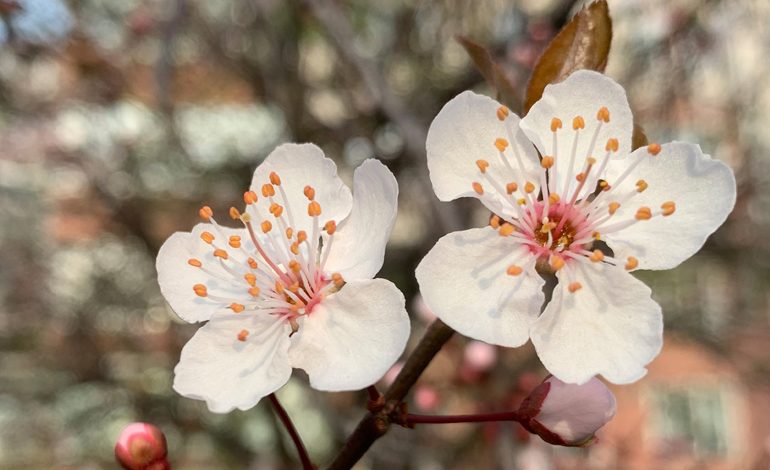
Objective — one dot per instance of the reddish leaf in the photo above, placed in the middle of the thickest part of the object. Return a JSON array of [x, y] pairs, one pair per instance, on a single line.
[[491, 71], [583, 44]]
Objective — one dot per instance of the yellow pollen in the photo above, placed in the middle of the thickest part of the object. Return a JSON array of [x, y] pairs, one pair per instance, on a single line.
[[194, 262], [301, 236], [314, 209], [268, 190], [200, 290], [556, 262], [494, 221], [237, 308], [555, 124], [243, 335], [596, 236], [668, 208], [529, 187], [279, 287], [266, 226], [546, 162], [643, 213], [521, 201], [252, 263], [309, 192], [330, 227], [631, 263], [612, 145], [254, 291], [574, 287], [654, 149], [289, 233], [220, 253], [235, 241], [337, 279], [603, 114], [596, 256], [603, 184], [207, 237], [578, 123], [478, 188], [245, 218], [294, 266], [275, 179], [506, 229], [613, 207], [250, 197], [553, 198], [205, 213], [502, 113], [501, 144], [234, 214], [580, 177], [483, 165], [548, 226], [511, 188], [641, 185], [514, 270]]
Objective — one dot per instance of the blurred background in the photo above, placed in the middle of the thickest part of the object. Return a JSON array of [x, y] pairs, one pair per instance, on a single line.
[[119, 118]]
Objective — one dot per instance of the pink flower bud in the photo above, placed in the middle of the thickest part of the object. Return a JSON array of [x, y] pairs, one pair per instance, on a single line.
[[567, 414], [142, 446]]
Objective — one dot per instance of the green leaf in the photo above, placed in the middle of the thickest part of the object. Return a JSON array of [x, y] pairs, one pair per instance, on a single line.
[[584, 43], [492, 72]]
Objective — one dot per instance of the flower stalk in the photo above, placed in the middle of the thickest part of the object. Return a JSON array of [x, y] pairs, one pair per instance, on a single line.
[[307, 464]]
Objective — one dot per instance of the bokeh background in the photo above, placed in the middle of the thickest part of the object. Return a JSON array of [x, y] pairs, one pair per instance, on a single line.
[[119, 118]]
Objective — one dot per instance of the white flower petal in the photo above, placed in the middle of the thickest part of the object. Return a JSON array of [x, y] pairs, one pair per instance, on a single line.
[[610, 326], [227, 373], [300, 165], [463, 280], [582, 94], [352, 337], [464, 131], [176, 277], [702, 189], [358, 246]]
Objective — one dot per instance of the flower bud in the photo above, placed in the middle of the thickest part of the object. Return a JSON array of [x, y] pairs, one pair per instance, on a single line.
[[567, 414], [142, 446]]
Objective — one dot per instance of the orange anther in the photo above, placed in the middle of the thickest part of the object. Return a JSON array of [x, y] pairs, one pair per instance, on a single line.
[[521, 201], [546, 162], [294, 248], [501, 144], [578, 123], [643, 213], [668, 208], [555, 124], [279, 288], [330, 227], [289, 233], [252, 263], [207, 237], [254, 291], [301, 236], [266, 226], [275, 179], [337, 279], [268, 190], [613, 207], [574, 287], [234, 213], [556, 262], [641, 185], [612, 145], [553, 198], [235, 241], [194, 262], [294, 287], [502, 113], [494, 221], [514, 270], [478, 188], [596, 256], [580, 177], [631, 263], [220, 253], [278, 211], [511, 188], [237, 308], [205, 212], [603, 184], [596, 236], [243, 335], [309, 192], [200, 290], [273, 207], [529, 187], [250, 197], [506, 229], [483, 165], [654, 149], [294, 266], [591, 161], [314, 209], [603, 114]]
